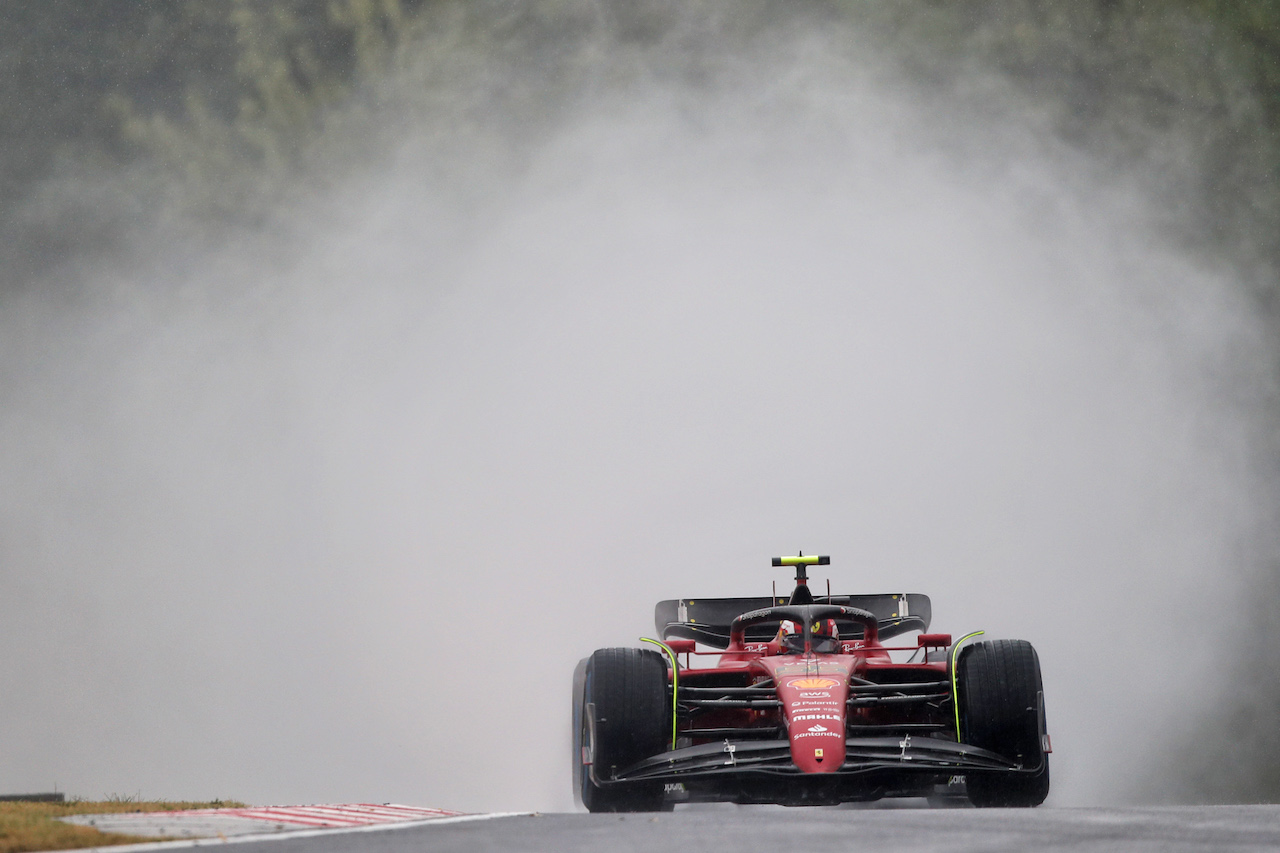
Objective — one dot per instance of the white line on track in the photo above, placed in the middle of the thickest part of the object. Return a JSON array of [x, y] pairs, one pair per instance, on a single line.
[[298, 833]]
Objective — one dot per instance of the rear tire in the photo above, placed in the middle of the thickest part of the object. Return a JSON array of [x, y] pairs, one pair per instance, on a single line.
[[628, 688], [1001, 697]]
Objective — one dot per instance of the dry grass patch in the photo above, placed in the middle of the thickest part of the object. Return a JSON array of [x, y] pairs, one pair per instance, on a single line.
[[35, 826]]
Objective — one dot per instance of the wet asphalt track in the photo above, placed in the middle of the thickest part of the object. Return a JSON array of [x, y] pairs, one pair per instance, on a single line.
[[1201, 828]]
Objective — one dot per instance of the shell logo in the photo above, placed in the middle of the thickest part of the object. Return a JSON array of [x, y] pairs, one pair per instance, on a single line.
[[814, 683]]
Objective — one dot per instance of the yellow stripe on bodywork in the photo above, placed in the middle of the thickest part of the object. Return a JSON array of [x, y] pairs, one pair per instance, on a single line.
[[955, 696], [675, 682]]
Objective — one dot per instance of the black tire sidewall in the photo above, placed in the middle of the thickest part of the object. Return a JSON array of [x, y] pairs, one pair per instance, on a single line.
[[1000, 696], [632, 722]]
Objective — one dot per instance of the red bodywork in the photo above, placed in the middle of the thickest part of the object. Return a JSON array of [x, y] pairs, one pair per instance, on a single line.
[[806, 706], [814, 691]]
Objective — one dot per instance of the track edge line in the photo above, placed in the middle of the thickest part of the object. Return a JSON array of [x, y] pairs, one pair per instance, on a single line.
[[184, 843]]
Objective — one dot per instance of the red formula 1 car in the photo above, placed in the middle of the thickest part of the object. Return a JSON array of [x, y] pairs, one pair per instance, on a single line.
[[806, 706]]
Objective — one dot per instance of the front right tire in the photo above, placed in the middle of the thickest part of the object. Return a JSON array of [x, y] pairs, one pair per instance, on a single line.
[[632, 721]]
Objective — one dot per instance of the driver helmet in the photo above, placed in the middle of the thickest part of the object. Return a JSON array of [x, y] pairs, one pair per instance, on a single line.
[[790, 636], [826, 636]]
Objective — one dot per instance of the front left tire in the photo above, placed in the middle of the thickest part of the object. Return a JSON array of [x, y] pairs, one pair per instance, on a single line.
[[1001, 709]]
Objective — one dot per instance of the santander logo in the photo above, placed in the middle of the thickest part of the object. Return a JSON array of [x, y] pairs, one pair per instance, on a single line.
[[817, 727]]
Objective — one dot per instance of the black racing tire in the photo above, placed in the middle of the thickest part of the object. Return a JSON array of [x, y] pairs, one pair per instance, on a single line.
[[1001, 710], [628, 689], [579, 685]]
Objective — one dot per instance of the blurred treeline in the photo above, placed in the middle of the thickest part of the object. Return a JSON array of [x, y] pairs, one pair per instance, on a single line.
[[208, 107], [1186, 91], [215, 100], [200, 99]]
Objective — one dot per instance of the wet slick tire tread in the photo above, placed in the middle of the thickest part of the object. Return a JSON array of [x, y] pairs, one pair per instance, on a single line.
[[1000, 688], [633, 721]]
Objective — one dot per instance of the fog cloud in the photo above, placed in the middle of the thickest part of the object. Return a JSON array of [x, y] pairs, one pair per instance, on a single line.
[[328, 511]]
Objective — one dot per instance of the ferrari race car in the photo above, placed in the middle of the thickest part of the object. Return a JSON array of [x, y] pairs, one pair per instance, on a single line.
[[806, 706]]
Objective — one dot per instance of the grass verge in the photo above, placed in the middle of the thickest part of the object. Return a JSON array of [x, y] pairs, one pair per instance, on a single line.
[[35, 826]]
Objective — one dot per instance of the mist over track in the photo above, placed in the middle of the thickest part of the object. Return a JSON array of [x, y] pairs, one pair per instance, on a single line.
[[327, 508]]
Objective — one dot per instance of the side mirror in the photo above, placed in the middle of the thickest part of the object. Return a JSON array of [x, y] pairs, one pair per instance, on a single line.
[[934, 641]]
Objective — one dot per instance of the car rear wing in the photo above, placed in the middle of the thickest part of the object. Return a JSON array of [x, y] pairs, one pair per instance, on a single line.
[[707, 620]]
